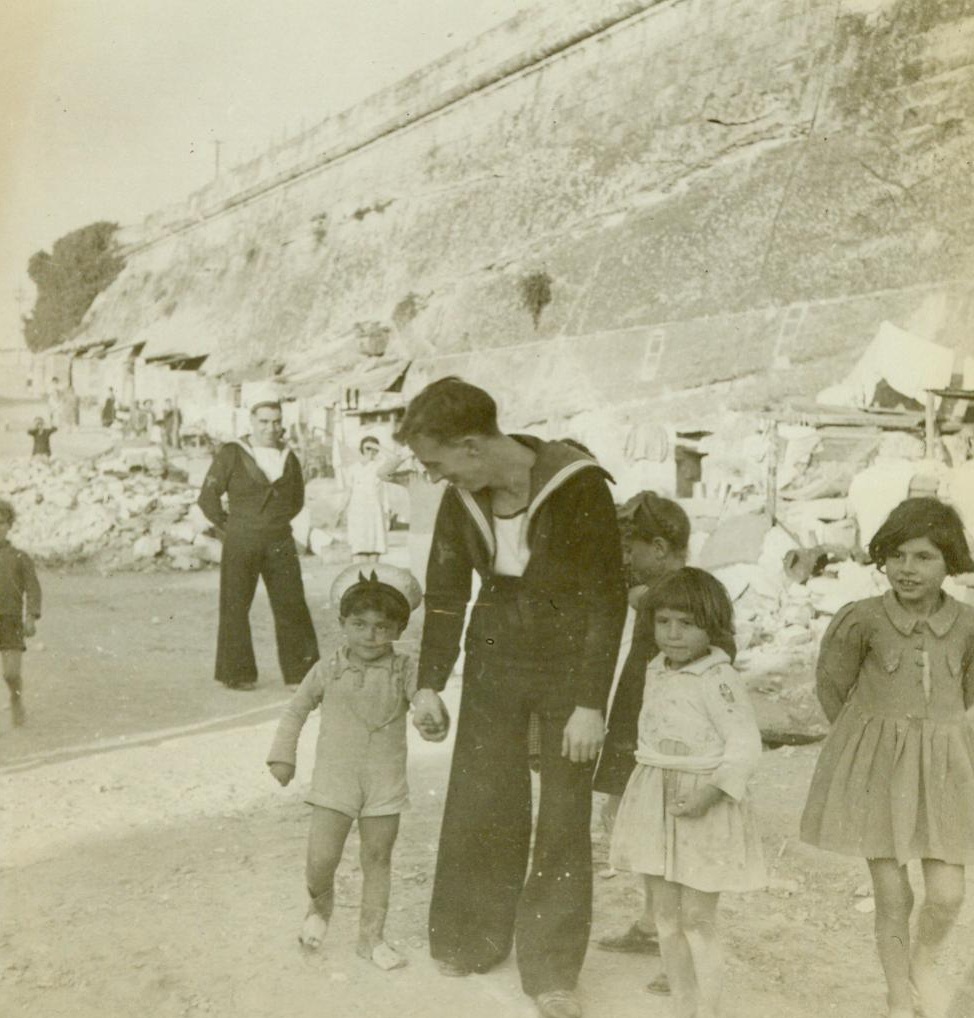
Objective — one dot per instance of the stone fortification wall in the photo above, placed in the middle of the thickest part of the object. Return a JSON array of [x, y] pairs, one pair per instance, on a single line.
[[648, 199]]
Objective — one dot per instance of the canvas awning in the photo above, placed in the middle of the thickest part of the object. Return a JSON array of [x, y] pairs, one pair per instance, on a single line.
[[329, 382]]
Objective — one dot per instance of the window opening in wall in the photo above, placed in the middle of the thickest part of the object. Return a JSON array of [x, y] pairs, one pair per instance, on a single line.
[[791, 325], [655, 342]]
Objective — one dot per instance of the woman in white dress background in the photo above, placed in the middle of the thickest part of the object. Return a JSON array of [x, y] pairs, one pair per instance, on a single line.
[[366, 506]]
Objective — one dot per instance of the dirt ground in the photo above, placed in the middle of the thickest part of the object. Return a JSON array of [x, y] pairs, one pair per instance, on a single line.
[[149, 864]]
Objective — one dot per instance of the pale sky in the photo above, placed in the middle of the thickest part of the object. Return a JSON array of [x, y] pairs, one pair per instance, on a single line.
[[109, 108]]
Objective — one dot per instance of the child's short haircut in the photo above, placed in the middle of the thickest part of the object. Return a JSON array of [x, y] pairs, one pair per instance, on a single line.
[[7, 512], [704, 598], [372, 597], [924, 517], [368, 440], [447, 410], [648, 516]]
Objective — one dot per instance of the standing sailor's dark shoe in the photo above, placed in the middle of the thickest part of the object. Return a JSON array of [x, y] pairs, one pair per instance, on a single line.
[[558, 1004]]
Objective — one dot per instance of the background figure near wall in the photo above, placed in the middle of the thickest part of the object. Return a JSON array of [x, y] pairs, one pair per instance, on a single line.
[[366, 503], [172, 422], [108, 410]]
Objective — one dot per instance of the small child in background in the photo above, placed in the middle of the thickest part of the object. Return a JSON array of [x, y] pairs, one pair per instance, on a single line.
[[20, 607], [895, 778], [41, 434], [364, 691], [685, 819]]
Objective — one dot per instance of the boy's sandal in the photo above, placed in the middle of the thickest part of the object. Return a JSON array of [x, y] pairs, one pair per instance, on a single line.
[[313, 932], [660, 985], [386, 957]]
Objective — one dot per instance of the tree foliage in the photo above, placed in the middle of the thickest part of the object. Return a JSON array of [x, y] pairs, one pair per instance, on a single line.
[[80, 265]]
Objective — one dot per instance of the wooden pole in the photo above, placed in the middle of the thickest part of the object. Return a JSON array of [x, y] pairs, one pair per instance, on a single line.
[[930, 426], [771, 505]]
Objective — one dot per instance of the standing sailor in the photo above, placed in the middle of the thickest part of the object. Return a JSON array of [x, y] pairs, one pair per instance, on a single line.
[[262, 480]]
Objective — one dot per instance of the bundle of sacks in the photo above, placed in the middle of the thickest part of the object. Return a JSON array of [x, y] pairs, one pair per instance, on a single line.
[[123, 513]]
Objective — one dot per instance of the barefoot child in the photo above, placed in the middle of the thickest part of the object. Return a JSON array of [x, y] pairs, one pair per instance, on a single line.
[[20, 607], [364, 690], [685, 820], [895, 778]]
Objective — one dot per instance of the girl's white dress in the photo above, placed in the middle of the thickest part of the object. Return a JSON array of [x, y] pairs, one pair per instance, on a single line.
[[696, 727]]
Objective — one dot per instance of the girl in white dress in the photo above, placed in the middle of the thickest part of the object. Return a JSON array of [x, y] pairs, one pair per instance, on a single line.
[[685, 820]]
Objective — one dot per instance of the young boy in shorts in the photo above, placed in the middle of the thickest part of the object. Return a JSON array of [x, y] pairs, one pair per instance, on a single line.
[[364, 689]]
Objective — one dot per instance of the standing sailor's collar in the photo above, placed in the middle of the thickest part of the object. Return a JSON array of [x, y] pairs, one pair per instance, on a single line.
[[715, 656], [248, 447], [939, 621]]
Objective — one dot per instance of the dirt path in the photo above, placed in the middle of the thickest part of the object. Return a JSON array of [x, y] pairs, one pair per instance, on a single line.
[[165, 878]]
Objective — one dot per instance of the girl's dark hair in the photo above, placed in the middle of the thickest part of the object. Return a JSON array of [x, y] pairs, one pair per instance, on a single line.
[[648, 516], [447, 410], [924, 517], [363, 598], [7, 512], [368, 438], [701, 596]]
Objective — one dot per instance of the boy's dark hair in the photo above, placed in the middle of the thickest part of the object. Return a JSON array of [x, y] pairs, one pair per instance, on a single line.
[[575, 444], [647, 516], [701, 596], [363, 598], [367, 439], [447, 410], [7, 512], [924, 517]]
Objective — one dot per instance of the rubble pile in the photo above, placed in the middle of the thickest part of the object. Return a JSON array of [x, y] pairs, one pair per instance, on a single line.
[[110, 509]]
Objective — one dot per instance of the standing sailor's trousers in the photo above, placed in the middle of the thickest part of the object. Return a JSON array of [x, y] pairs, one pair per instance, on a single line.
[[246, 558]]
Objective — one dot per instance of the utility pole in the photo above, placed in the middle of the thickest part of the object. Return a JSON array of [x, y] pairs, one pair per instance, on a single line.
[[216, 157]]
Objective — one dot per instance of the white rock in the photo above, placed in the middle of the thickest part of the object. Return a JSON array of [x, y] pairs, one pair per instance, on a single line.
[[797, 615], [182, 532], [866, 906], [208, 548], [793, 636], [147, 547], [183, 550]]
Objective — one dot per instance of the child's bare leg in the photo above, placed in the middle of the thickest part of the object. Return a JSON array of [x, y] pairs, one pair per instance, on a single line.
[[944, 895], [894, 903], [647, 921], [699, 916], [377, 835], [329, 829], [12, 660], [674, 948]]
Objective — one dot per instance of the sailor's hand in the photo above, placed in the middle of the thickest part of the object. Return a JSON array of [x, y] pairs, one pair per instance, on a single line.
[[583, 735], [30, 626], [430, 716]]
